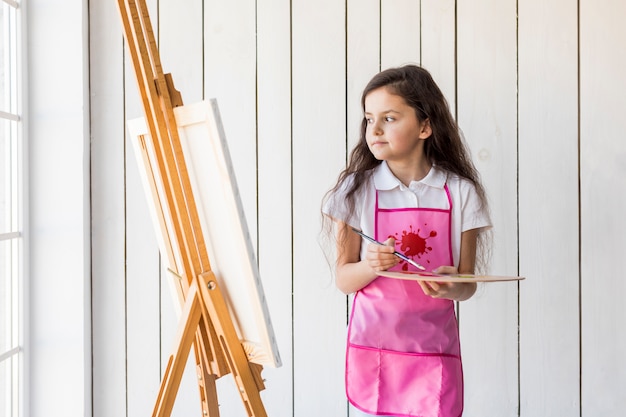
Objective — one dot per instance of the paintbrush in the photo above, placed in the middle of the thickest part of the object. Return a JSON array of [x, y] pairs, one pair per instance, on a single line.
[[398, 254]]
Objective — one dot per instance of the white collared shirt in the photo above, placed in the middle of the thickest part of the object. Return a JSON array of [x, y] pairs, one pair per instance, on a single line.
[[429, 192]]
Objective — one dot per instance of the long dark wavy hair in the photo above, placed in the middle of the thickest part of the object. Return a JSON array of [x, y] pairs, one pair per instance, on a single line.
[[445, 148]]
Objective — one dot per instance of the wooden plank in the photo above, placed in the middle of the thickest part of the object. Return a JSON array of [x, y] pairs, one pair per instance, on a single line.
[[363, 59], [57, 220], [230, 77], [142, 268], [603, 228], [107, 213], [399, 33], [548, 233], [487, 116], [180, 46], [143, 310], [438, 40], [147, 258], [274, 208], [182, 56], [318, 62]]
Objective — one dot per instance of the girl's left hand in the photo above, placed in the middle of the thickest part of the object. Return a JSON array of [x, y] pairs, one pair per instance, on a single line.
[[456, 291]]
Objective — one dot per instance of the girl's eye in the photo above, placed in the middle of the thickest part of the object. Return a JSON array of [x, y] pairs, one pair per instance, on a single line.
[[370, 121]]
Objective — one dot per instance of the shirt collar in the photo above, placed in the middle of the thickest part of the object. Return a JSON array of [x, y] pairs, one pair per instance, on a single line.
[[385, 180]]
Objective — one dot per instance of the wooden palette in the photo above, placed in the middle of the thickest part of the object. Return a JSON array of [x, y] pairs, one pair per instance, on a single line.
[[430, 276]]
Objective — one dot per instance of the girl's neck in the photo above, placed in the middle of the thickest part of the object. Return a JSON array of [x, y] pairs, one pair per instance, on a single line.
[[409, 172]]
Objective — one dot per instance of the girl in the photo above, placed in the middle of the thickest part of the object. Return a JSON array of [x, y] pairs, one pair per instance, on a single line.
[[411, 183]]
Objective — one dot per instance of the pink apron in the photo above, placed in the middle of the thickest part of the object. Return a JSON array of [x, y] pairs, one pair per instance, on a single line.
[[403, 355]]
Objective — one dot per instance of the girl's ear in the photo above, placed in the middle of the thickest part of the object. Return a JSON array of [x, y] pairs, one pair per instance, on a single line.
[[425, 129]]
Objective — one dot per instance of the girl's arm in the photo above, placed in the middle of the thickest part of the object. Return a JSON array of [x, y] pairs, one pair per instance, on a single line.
[[354, 273], [452, 290]]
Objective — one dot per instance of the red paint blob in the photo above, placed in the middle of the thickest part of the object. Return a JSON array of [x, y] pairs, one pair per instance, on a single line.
[[413, 245]]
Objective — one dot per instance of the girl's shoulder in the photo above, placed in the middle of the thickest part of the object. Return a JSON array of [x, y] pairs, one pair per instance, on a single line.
[[461, 189], [455, 180], [363, 181], [335, 202]]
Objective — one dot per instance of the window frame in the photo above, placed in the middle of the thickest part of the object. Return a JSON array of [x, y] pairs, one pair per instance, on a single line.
[[13, 275]]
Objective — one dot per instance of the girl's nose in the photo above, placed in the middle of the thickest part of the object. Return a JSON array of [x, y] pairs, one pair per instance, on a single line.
[[376, 129]]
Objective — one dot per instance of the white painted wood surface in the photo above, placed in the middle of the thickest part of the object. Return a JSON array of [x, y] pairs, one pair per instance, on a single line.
[[486, 100], [274, 147], [362, 59], [602, 204], [548, 232], [288, 77], [399, 32], [318, 149], [108, 231], [57, 308], [173, 43]]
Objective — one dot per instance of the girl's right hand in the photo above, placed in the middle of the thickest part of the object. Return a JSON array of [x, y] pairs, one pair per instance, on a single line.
[[354, 272], [381, 257]]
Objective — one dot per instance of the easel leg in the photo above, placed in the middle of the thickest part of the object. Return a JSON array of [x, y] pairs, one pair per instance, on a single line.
[[231, 346], [206, 380], [190, 319]]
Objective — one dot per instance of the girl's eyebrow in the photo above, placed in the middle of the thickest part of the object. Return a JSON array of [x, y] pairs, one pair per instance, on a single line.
[[384, 111]]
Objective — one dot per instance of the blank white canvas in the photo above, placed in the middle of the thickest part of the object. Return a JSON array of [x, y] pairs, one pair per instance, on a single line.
[[222, 219]]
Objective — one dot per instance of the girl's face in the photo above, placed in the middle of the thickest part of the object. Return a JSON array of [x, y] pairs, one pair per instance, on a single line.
[[394, 134]]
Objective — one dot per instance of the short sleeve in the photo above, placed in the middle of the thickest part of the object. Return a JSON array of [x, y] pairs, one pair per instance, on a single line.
[[335, 205], [475, 214]]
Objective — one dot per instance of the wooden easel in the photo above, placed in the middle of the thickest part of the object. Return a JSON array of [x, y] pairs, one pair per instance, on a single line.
[[205, 322]]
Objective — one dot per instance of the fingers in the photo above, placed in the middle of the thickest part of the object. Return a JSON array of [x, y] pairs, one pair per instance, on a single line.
[[390, 242], [426, 288], [451, 291], [381, 257], [446, 270], [382, 263], [440, 289], [434, 289]]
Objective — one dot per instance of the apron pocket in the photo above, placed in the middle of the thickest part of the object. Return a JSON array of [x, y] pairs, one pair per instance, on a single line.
[[405, 384]]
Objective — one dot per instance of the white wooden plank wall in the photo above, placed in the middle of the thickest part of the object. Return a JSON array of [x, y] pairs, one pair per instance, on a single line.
[[539, 92], [602, 204], [145, 336], [274, 173], [486, 97], [548, 226], [173, 43], [109, 212], [318, 149]]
